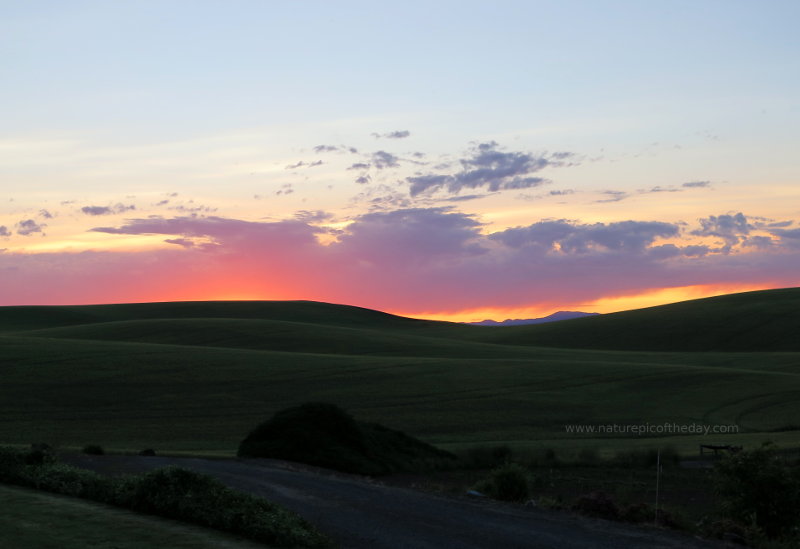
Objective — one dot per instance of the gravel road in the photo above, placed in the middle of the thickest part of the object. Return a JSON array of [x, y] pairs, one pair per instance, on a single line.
[[360, 514]]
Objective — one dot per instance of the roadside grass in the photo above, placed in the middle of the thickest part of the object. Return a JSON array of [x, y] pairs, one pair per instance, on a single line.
[[30, 519], [169, 492]]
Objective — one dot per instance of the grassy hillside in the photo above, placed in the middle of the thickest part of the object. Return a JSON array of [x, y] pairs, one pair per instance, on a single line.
[[39, 317], [30, 519], [200, 376], [766, 320]]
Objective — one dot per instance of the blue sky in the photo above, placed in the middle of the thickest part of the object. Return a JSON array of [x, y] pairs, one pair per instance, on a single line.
[[217, 107]]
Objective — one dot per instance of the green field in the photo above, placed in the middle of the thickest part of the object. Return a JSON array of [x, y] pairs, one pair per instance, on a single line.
[[196, 377], [30, 519]]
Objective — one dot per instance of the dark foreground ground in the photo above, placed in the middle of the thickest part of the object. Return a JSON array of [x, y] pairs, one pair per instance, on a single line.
[[358, 513]]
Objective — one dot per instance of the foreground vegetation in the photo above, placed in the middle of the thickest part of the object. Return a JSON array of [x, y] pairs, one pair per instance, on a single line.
[[31, 519], [323, 434], [170, 492], [751, 496]]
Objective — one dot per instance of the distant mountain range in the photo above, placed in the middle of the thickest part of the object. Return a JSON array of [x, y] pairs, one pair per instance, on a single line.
[[560, 315]]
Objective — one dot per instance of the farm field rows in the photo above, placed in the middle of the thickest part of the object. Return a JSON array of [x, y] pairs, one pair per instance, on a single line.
[[196, 377]]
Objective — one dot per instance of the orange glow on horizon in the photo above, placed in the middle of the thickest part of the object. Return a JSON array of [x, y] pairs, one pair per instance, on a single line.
[[611, 304]]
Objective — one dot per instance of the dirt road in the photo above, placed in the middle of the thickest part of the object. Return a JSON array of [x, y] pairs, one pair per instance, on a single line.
[[362, 514]]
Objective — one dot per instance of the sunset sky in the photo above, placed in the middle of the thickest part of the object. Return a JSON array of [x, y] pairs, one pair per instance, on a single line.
[[455, 160]]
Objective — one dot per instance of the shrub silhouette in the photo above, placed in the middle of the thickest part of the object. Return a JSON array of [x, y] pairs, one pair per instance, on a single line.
[[758, 485], [93, 450], [596, 504], [508, 482], [168, 492], [323, 434]]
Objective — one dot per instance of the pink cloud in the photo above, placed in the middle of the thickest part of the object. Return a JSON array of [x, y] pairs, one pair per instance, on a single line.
[[410, 260]]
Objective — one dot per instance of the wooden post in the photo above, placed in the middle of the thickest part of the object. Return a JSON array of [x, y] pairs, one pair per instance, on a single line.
[[658, 481]]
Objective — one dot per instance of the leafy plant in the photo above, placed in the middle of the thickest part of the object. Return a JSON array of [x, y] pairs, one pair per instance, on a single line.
[[758, 486], [508, 482]]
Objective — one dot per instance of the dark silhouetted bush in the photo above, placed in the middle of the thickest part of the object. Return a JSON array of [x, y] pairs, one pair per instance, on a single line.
[[597, 504], [638, 512], [647, 457], [148, 452], [588, 457], [325, 435], [93, 450], [730, 531], [759, 486], [171, 492], [485, 457], [508, 482], [39, 453]]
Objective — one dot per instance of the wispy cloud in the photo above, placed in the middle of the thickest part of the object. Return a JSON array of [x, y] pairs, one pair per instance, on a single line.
[[397, 134], [107, 210], [487, 166], [28, 227]]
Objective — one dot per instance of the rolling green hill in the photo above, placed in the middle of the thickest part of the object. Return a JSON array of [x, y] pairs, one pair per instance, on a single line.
[[199, 376], [767, 320]]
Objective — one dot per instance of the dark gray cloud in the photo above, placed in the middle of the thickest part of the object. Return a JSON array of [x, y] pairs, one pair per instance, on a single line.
[[383, 160], [667, 251], [218, 230], [325, 148], [302, 164], [730, 228], [285, 189], [359, 166], [613, 196], [45, 214], [466, 197], [397, 134], [183, 242], [422, 183], [696, 251], [97, 210], [334, 148], [363, 179], [659, 189], [697, 184], [28, 227], [107, 210], [567, 237], [309, 216], [789, 238], [787, 233], [759, 242], [192, 209], [561, 193], [412, 236], [382, 198], [4, 231], [489, 167]]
